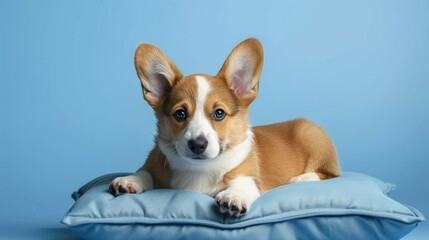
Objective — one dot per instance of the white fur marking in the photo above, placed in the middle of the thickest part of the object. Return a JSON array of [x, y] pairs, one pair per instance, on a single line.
[[197, 181], [305, 177]]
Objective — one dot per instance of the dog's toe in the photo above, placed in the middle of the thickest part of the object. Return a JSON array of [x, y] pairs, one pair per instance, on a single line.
[[243, 210], [122, 189]]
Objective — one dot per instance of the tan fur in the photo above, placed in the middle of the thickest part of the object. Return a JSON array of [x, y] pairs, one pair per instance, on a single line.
[[280, 151], [288, 149]]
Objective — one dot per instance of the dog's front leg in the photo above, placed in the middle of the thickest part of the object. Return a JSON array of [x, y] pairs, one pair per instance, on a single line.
[[139, 182], [239, 195]]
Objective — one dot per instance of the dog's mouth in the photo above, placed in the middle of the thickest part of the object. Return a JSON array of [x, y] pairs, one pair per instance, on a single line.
[[199, 158], [191, 156], [202, 157]]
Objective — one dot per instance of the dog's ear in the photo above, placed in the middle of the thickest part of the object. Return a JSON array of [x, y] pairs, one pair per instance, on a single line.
[[156, 71], [242, 69]]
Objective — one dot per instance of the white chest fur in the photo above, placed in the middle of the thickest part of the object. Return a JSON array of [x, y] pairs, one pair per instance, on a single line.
[[197, 181]]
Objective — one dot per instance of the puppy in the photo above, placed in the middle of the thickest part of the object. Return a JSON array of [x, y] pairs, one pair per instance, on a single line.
[[205, 143]]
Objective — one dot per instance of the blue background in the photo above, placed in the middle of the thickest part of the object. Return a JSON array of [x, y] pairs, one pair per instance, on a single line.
[[72, 107]]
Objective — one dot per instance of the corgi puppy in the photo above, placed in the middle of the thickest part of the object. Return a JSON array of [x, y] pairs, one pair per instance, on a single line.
[[205, 143]]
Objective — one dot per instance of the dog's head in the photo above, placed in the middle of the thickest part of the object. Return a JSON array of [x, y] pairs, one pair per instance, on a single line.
[[200, 118]]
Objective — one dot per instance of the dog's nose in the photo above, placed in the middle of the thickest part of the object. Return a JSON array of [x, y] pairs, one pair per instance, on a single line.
[[198, 145]]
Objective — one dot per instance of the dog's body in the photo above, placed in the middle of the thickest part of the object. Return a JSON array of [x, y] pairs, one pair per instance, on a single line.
[[205, 143]]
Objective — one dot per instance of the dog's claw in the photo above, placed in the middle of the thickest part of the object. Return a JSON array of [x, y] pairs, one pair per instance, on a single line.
[[122, 189]]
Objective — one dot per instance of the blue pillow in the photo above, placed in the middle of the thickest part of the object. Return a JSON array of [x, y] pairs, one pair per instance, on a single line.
[[353, 206]]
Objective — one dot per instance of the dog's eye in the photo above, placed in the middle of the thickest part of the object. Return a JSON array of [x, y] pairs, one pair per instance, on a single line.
[[219, 114], [180, 115]]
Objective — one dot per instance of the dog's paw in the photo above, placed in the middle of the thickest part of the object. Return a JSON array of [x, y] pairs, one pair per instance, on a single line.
[[232, 203], [127, 184], [305, 177]]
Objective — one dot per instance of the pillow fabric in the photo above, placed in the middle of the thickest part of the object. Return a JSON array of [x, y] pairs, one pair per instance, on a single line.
[[353, 206]]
